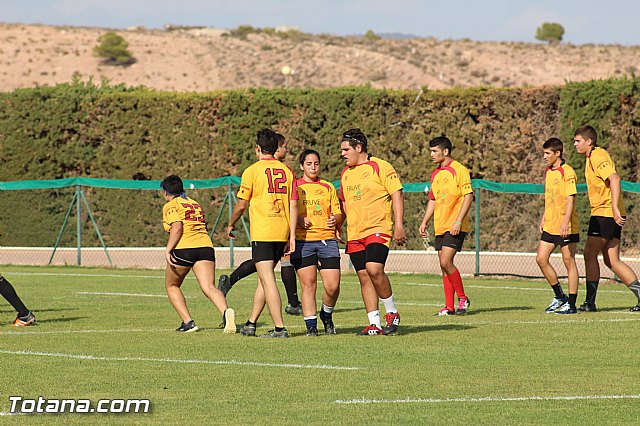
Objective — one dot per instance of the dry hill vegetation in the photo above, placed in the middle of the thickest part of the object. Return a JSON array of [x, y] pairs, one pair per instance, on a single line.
[[205, 59]]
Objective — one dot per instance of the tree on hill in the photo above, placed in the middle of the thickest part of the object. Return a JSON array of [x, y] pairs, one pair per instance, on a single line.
[[112, 48], [550, 32]]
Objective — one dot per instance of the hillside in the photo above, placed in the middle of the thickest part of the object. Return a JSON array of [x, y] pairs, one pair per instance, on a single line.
[[209, 59]]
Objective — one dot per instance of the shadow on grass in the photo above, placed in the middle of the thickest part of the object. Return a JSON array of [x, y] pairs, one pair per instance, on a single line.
[[413, 329], [500, 309], [61, 319]]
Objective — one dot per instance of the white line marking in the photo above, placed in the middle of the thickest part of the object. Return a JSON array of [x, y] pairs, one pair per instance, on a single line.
[[87, 331], [504, 287], [178, 361], [104, 293], [483, 399]]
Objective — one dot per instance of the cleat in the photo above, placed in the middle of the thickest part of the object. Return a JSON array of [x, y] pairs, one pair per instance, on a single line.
[[444, 312], [279, 334], [293, 310], [312, 332], [587, 307], [556, 304], [566, 309], [370, 330], [229, 321], [248, 330], [224, 284], [25, 321], [393, 321], [187, 327], [635, 308], [463, 305], [327, 321]]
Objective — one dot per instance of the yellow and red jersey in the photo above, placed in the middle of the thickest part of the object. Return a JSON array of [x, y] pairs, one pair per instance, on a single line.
[[317, 201], [597, 170], [366, 191], [267, 186], [449, 185], [559, 183], [194, 227]]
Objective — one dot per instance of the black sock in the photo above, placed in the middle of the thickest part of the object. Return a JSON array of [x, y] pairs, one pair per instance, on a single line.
[[245, 269], [9, 293], [557, 290], [248, 323], [288, 274], [572, 300], [592, 290], [635, 289], [279, 329]]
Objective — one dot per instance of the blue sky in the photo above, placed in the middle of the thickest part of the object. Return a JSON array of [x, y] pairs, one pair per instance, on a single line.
[[585, 21]]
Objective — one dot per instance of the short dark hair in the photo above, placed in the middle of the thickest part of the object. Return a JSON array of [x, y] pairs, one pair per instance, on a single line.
[[587, 132], [303, 155], [442, 142], [268, 141], [554, 144], [172, 185], [281, 139], [355, 137]]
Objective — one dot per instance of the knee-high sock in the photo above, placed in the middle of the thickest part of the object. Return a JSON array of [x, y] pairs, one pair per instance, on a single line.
[[448, 293], [245, 269], [456, 281], [288, 274], [9, 293]]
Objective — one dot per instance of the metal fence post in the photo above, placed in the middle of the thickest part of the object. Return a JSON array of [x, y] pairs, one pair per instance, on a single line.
[[79, 225], [230, 195], [477, 231]]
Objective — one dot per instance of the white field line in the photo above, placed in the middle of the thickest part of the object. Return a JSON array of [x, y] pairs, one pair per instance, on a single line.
[[105, 293], [177, 361], [482, 399]]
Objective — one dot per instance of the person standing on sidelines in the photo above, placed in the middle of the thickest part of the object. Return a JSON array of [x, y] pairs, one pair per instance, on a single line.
[[266, 188], [450, 198], [372, 200], [189, 247], [559, 226], [608, 216], [315, 216], [287, 271]]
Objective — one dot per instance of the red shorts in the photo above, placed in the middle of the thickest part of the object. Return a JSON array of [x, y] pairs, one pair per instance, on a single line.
[[355, 246]]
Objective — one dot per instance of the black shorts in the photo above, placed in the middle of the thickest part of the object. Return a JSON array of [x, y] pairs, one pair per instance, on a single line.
[[374, 252], [559, 240], [313, 260], [189, 256], [267, 250], [604, 227], [448, 240]]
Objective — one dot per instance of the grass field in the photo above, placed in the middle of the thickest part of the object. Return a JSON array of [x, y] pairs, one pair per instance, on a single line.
[[109, 334]]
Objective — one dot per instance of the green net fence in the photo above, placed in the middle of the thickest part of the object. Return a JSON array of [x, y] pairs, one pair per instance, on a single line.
[[105, 222]]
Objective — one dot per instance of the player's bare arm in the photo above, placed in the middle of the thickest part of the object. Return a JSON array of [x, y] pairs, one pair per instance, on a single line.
[[614, 184], [464, 210], [238, 210], [397, 199]]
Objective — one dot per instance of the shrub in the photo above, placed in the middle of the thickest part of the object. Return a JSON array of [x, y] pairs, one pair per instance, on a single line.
[[113, 49], [550, 32]]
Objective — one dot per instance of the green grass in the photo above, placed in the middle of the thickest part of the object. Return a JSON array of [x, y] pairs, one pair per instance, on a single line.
[[505, 347]]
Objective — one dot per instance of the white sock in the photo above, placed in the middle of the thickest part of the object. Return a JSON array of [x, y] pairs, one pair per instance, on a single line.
[[327, 309], [389, 304], [374, 318], [310, 317]]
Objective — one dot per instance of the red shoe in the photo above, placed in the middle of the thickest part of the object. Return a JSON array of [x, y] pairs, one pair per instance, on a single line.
[[370, 330], [393, 321]]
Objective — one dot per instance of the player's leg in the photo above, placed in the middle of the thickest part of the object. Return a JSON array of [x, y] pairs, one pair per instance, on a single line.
[[376, 257], [271, 294], [330, 274], [545, 248], [592, 248], [569, 259], [611, 253], [369, 294], [288, 276], [249, 328], [308, 274], [445, 257], [24, 316], [204, 270], [174, 277], [226, 282]]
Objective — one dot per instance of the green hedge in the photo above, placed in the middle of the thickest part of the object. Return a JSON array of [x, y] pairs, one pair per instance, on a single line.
[[134, 133]]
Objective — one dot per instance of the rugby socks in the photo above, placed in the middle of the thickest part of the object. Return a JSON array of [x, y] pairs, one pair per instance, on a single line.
[[327, 309], [635, 288], [249, 323], [592, 290], [557, 291], [311, 322], [245, 269], [9, 293], [389, 305], [374, 318], [288, 274], [573, 298], [448, 292], [456, 282]]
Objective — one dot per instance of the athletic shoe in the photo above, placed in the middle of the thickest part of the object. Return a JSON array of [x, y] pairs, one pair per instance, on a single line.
[[463, 305], [444, 312], [278, 334], [293, 310], [370, 330], [566, 309], [312, 332], [248, 330], [25, 321], [327, 321], [224, 284], [587, 307], [187, 327], [393, 321], [229, 320], [556, 303], [635, 308]]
